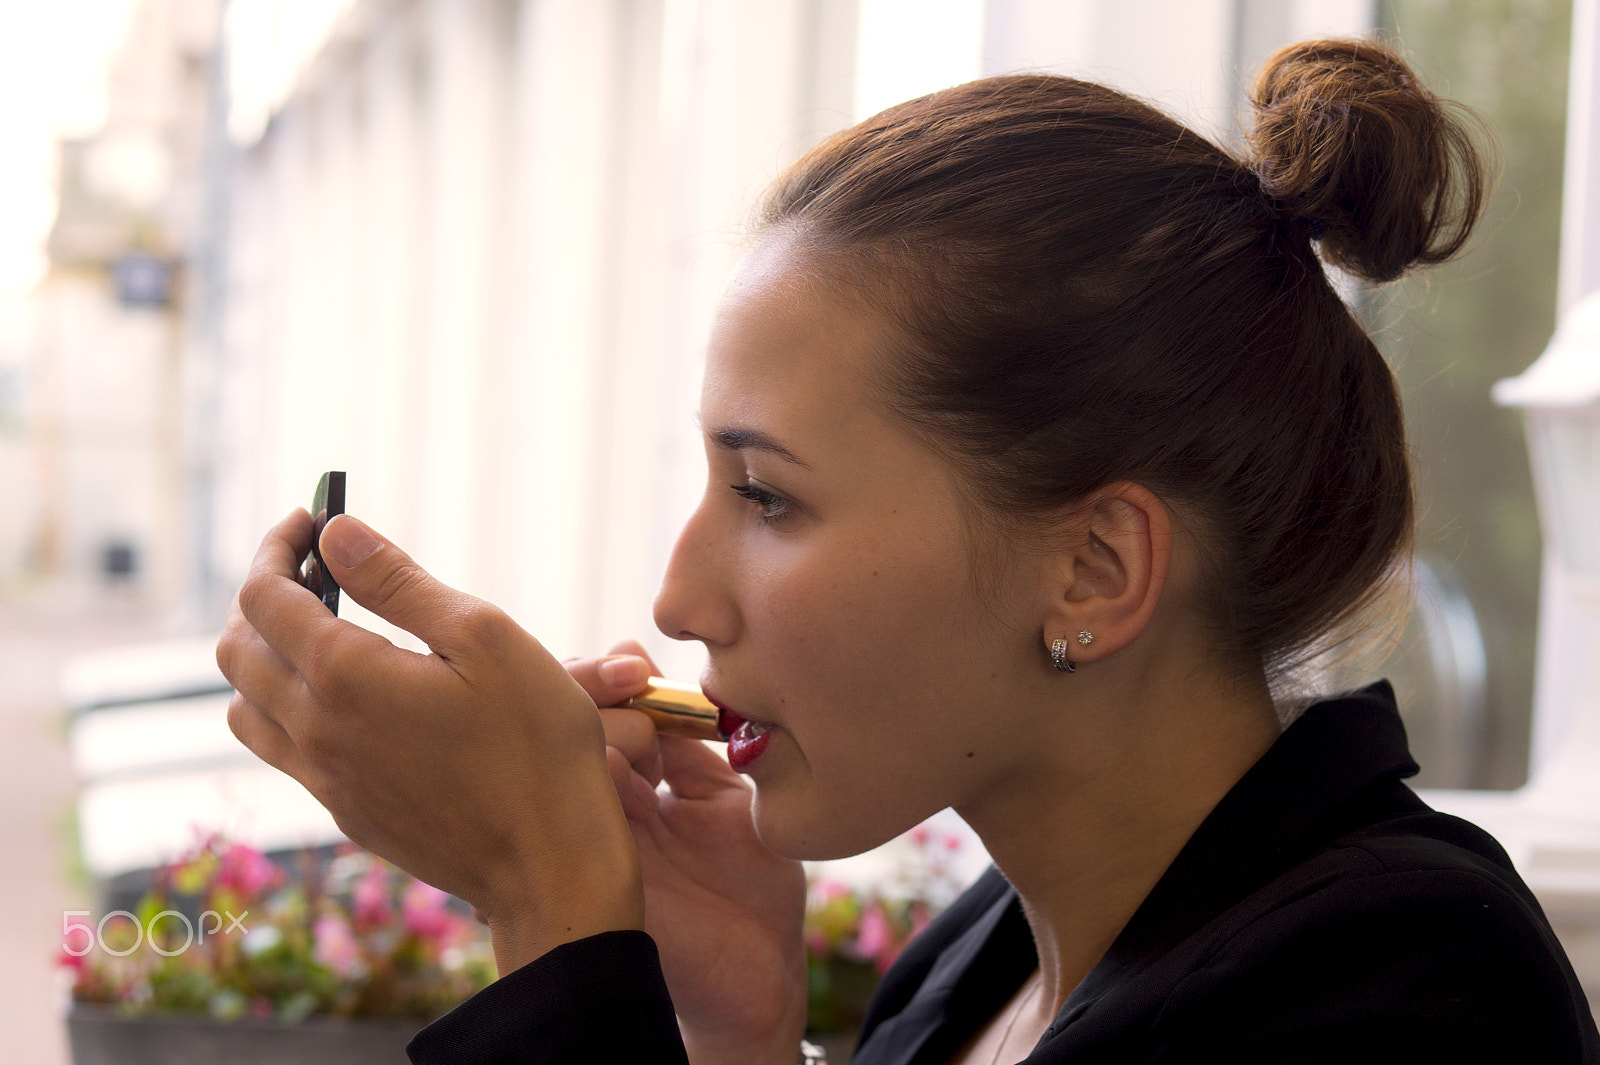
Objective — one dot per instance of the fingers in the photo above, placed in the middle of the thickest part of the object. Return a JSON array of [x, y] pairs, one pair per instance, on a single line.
[[265, 738], [286, 543], [272, 604], [612, 680], [695, 771], [253, 668], [385, 580], [477, 767], [260, 676], [634, 735], [638, 796]]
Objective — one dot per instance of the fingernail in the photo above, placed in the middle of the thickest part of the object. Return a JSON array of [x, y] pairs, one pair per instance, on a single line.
[[623, 670], [348, 542]]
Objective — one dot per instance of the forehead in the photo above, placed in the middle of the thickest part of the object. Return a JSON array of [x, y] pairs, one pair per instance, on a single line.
[[790, 353]]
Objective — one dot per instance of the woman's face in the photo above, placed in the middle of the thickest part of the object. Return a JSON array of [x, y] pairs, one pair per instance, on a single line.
[[828, 573]]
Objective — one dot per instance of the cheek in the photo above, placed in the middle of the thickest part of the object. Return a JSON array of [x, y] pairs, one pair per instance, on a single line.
[[862, 635], [851, 595]]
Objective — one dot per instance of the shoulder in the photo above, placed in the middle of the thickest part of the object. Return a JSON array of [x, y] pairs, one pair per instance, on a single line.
[[1413, 936]]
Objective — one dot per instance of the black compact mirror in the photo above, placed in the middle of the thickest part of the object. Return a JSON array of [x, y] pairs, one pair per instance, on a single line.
[[327, 503]]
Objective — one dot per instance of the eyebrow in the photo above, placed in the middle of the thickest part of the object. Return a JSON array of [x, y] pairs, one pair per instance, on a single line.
[[740, 438]]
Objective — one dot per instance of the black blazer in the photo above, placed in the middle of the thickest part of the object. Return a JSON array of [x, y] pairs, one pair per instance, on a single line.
[[1320, 914]]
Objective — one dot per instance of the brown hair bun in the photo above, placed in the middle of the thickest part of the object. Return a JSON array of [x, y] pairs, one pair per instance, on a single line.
[[1382, 172]]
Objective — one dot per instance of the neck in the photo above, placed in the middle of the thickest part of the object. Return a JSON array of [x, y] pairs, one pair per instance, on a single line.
[[1092, 817]]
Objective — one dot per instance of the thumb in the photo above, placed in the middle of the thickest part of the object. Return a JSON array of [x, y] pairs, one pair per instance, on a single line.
[[385, 580]]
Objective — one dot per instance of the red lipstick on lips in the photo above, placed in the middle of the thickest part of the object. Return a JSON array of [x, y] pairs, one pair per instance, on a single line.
[[747, 739], [683, 710]]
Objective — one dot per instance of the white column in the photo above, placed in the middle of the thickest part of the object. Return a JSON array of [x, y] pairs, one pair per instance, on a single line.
[[317, 210], [299, 368], [1580, 204], [744, 88], [556, 409], [641, 432], [907, 48], [1567, 678], [464, 142], [1193, 59], [643, 133], [388, 401], [334, 400], [247, 392], [1176, 55], [1021, 35]]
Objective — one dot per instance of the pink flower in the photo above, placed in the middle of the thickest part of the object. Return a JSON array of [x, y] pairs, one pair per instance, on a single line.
[[194, 872], [875, 936], [371, 899], [919, 835], [246, 871], [336, 945], [425, 913], [824, 891]]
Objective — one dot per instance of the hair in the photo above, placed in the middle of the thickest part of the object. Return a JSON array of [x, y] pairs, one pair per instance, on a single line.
[[1088, 292]]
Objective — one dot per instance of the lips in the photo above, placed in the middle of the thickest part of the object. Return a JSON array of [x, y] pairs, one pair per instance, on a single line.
[[747, 740]]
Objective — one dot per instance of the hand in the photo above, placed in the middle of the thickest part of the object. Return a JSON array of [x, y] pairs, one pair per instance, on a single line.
[[480, 768], [725, 912]]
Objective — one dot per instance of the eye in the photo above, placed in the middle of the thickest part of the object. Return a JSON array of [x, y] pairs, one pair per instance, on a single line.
[[772, 506]]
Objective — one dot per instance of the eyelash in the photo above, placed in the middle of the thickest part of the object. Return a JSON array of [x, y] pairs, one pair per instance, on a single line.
[[773, 507]]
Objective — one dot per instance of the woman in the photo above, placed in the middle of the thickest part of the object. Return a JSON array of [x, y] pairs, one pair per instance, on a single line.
[[1040, 450]]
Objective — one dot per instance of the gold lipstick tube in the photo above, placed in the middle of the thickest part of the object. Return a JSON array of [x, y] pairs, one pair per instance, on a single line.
[[678, 709]]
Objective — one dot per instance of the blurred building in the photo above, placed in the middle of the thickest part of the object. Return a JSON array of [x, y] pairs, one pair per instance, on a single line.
[[473, 252], [107, 325], [467, 251]]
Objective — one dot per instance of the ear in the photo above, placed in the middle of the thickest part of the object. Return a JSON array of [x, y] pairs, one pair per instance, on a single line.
[[1109, 579]]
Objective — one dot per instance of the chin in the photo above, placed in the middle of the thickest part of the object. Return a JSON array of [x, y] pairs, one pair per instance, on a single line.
[[811, 835]]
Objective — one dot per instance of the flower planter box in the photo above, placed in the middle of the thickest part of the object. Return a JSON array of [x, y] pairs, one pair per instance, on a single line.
[[102, 1037]]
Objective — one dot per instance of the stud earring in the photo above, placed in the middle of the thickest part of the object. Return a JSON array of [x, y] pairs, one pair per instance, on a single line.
[[1059, 659], [1086, 637]]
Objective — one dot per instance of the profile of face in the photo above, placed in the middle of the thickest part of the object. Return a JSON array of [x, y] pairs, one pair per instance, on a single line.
[[829, 573]]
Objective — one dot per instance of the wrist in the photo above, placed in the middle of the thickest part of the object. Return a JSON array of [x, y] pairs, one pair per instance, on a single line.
[[543, 915], [517, 942], [778, 1045]]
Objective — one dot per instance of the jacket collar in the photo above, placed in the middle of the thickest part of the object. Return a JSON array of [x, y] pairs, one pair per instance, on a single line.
[[1293, 801], [1284, 808]]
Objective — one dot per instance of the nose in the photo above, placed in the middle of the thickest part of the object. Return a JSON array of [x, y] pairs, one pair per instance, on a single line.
[[695, 601]]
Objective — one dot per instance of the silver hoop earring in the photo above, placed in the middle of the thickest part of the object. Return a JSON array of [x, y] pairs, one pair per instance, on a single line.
[[1059, 659]]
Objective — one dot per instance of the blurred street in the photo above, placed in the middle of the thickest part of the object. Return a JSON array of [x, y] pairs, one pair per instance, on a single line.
[[39, 630]]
